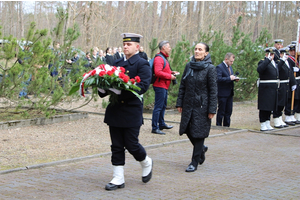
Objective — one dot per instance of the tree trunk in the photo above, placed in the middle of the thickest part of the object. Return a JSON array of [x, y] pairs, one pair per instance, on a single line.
[[67, 18], [21, 19], [162, 15], [258, 12], [275, 32]]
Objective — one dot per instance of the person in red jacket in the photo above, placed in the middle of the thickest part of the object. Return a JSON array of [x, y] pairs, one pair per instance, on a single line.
[[164, 75]]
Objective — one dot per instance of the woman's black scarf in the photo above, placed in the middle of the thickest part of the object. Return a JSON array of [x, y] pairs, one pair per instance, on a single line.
[[197, 65]]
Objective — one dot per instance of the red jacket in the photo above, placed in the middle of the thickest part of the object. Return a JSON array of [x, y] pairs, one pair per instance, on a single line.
[[163, 76]]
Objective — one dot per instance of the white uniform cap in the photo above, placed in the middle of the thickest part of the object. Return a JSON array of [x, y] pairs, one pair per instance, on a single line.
[[131, 37]]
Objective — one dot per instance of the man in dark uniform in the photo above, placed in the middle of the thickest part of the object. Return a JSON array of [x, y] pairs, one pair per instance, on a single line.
[[125, 117], [225, 90], [278, 45], [289, 115], [287, 80], [267, 88]]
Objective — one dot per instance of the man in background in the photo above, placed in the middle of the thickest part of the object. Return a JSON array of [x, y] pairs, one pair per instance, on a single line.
[[164, 75], [225, 90]]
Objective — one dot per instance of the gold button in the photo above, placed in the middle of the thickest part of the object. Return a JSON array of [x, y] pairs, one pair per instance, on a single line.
[[122, 101]]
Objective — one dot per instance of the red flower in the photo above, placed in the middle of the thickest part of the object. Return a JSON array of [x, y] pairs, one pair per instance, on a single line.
[[121, 75], [138, 79], [102, 73], [132, 80], [122, 69], [110, 73], [125, 79], [101, 66]]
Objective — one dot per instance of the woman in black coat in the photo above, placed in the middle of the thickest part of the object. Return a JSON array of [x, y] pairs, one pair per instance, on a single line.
[[109, 57], [197, 101]]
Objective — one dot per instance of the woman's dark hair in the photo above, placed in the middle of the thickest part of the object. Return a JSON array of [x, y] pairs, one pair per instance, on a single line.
[[206, 46], [107, 49]]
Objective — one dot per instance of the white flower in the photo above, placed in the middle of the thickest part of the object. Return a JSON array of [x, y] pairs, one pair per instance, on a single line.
[[107, 67], [98, 70]]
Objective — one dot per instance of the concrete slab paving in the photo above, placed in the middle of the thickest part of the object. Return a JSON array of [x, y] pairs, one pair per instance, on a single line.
[[245, 165]]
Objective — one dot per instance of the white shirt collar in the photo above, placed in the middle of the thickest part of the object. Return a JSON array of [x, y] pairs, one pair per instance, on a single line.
[[225, 64]]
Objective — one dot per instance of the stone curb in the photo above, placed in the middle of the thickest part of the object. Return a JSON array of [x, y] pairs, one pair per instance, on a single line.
[[276, 130], [42, 121], [109, 153]]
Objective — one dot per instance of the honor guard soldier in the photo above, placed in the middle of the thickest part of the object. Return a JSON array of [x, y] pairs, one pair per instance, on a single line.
[[268, 84], [278, 45], [289, 115], [125, 117], [287, 79]]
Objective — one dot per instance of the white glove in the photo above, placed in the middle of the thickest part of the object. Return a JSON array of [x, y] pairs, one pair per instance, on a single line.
[[296, 69], [101, 90], [284, 58], [116, 91], [269, 57], [294, 87]]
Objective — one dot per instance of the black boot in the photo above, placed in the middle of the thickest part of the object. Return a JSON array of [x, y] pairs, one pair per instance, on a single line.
[[202, 159]]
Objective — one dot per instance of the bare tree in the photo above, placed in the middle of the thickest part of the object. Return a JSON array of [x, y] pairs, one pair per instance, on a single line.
[[21, 27]]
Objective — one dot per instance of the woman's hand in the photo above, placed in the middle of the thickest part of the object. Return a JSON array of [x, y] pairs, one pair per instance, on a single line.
[[211, 115], [179, 109]]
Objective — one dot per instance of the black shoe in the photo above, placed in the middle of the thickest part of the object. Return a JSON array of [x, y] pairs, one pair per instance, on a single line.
[[281, 126], [111, 186], [157, 131], [202, 159], [165, 127], [87, 92], [290, 123], [191, 168], [297, 122], [205, 148]]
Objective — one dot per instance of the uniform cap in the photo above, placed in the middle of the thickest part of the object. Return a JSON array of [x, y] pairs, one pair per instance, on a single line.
[[270, 50], [294, 42], [131, 37], [278, 41], [284, 50], [292, 46]]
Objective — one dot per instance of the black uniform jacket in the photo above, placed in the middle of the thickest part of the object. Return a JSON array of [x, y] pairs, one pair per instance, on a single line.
[[284, 91], [267, 92], [277, 56], [128, 111], [292, 64]]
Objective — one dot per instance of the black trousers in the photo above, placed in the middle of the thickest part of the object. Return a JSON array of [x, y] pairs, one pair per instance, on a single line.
[[278, 112], [264, 115], [297, 106], [224, 110], [197, 149], [287, 110], [125, 138]]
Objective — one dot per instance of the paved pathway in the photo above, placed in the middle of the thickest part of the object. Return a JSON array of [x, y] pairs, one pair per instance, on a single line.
[[246, 165]]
